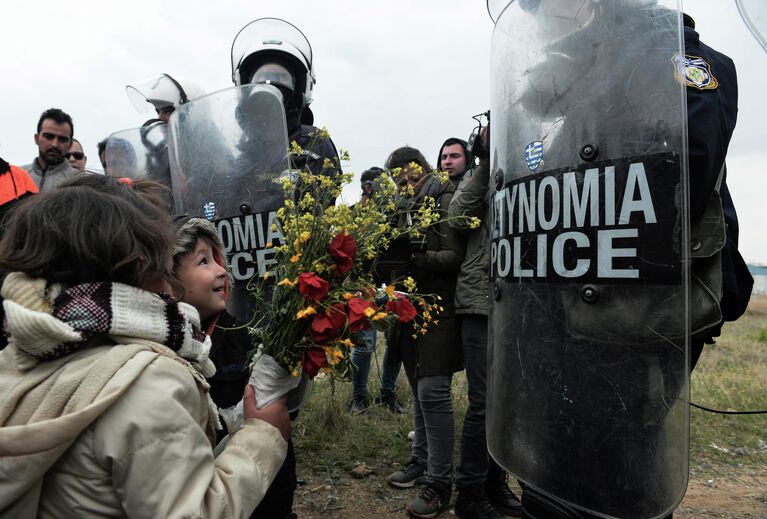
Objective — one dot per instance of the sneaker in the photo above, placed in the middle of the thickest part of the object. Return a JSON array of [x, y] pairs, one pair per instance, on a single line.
[[358, 405], [433, 500], [408, 475], [389, 399], [472, 503]]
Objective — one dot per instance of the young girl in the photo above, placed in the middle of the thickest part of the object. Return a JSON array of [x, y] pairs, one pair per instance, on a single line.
[[104, 408], [200, 265]]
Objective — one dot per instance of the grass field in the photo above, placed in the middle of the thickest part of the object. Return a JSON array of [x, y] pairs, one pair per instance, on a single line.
[[341, 456], [732, 375]]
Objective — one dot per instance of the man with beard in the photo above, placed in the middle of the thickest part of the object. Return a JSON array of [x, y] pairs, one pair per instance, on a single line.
[[455, 159], [53, 139]]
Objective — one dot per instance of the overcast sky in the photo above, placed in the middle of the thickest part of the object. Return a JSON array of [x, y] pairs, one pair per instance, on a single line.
[[388, 73]]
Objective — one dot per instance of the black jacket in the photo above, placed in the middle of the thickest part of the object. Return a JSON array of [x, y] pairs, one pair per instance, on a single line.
[[711, 117]]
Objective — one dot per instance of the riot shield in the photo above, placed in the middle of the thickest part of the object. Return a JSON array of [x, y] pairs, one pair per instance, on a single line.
[[588, 367], [227, 150], [139, 153], [754, 15]]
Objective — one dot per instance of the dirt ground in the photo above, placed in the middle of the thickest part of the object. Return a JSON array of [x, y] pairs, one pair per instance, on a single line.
[[734, 493], [742, 495]]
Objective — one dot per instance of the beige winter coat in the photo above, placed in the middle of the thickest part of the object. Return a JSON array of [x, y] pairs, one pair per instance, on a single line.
[[118, 429]]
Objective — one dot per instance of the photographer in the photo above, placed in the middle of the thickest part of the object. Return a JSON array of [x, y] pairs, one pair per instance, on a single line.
[[430, 360]]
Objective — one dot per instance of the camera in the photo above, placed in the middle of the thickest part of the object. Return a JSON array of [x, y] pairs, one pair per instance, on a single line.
[[476, 148]]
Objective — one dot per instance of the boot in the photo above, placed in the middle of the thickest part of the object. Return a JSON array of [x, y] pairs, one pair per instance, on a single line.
[[499, 493], [472, 503]]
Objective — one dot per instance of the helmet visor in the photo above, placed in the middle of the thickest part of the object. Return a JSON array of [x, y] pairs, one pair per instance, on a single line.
[[154, 93], [273, 74]]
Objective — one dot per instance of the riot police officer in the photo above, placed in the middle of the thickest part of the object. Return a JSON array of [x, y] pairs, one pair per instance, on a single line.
[[143, 151], [589, 368], [274, 51]]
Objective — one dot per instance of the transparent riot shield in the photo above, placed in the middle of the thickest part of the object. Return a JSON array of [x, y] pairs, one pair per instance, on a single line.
[[754, 15], [139, 153], [588, 377], [227, 151]]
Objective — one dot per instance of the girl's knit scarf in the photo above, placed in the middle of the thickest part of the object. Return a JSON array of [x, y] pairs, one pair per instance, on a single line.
[[47, 321]]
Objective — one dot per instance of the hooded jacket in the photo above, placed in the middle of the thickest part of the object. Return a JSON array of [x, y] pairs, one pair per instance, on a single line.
[[471, 198], [121, 427]]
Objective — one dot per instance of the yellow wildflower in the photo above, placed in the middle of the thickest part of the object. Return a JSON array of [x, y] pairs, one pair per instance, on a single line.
[[306, 312], [348, 295], [266, 275], [369, 312], [379, 316], [321, 132], [295, 148], [409, 283], [286, 282], [348, 342], [390, 291], [295, 257], [327, 164], [334, 355], [304, 237]]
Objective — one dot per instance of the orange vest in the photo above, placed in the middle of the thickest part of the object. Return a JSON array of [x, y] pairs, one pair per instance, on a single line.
[[14, 184]]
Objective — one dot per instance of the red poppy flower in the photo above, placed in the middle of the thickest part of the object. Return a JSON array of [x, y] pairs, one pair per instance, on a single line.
[[328, 325], [312, 286], [343, 249], [404, 309], [357, 318], [313, 361]]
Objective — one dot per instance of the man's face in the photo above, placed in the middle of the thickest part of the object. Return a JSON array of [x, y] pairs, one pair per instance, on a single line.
[[164, 113], [53, 141], [75, 156], [453, 160]]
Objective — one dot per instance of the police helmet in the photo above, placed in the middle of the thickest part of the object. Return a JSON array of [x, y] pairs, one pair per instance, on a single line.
[[269, 50]]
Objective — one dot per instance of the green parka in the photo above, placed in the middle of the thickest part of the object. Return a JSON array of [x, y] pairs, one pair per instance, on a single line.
[[471, 198]]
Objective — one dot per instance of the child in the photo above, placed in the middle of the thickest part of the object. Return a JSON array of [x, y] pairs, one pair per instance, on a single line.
[[104, 410], [199, 264]]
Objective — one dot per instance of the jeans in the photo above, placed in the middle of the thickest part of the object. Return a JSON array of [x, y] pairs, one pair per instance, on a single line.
[[434, 424], [472, 469], [361, 370]]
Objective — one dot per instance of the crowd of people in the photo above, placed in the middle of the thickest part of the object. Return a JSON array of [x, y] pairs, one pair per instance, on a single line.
[[101, 277], [99, 244], [110, 300]]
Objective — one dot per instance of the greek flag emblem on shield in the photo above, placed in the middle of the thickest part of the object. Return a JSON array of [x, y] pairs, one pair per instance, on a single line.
[[209, 210], [534, 155]]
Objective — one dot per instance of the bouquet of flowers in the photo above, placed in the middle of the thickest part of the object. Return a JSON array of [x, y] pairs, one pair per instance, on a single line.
[[322, 292]]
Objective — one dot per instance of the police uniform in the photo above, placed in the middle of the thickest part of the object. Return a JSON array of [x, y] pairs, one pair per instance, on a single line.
[[711, 86], [712, 107]]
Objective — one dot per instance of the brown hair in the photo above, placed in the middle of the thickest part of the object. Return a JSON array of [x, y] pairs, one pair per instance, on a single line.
[[403, 156], [91, 228]]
